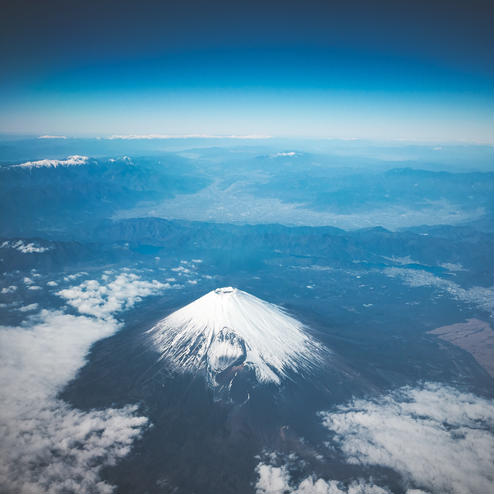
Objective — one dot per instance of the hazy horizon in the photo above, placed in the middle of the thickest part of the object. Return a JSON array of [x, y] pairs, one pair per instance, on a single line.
[[420, 71]]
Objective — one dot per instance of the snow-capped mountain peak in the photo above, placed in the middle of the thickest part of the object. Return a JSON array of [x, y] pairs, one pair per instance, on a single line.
[[230, 329], [74, 160]]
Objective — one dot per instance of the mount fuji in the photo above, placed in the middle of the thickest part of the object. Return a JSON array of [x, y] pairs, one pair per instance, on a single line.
[[234, 336]]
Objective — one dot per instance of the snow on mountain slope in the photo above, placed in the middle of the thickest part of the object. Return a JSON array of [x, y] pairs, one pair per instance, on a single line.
[[230, 329], [70, 161]]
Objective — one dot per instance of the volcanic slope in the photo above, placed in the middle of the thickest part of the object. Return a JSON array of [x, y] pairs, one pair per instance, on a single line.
[[228, 329]]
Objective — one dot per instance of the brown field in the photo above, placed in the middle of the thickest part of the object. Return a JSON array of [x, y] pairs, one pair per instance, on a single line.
[[474, 336]]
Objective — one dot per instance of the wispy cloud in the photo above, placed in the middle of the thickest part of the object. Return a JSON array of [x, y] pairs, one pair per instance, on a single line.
[[28, 308], [52, 137], [481, 297]]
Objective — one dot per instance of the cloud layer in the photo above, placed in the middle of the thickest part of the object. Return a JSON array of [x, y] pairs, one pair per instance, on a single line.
[[436, 438], [45, 445], [186, 136]]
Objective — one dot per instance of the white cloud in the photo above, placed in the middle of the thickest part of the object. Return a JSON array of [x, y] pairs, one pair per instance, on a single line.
[[28, 308], [70, 161], [453, 267], [29, 248], [271, 479], [34, 287], [314, 267], [8, 289], [402, 260], [479, 296], [102, 300], [27, 281], [52, 137], [276, 480], [180, 270], [52, 283], [437, 438], [46, 446], [74, 276]]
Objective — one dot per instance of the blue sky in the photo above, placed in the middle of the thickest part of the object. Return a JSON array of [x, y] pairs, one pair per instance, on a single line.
[[354, 69]]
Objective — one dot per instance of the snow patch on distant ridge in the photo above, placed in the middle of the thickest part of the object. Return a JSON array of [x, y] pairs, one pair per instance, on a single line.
[[74, 160], [284, 154], [228, 327]]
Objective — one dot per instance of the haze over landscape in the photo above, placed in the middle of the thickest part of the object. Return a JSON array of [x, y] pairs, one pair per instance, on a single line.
[[246, 247]]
